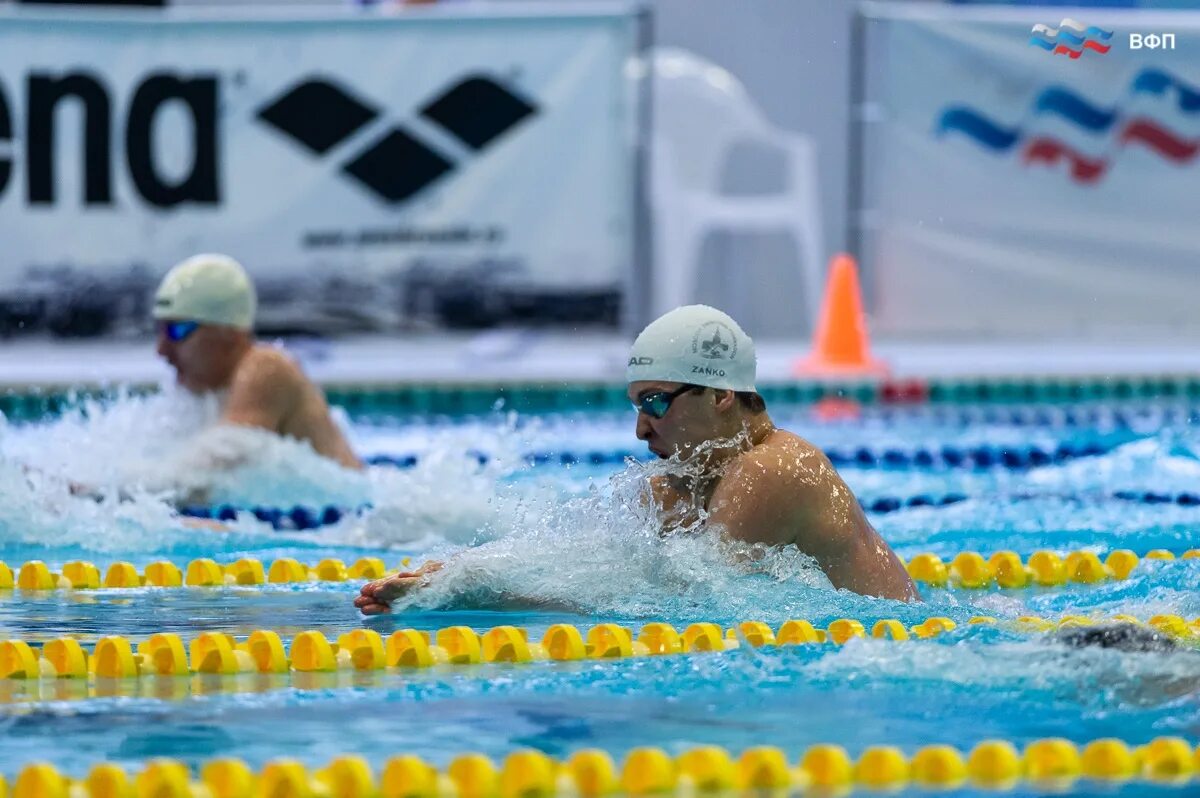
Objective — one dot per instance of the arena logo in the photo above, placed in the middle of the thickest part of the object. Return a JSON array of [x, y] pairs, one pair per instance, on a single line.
[[46, 92], [319, 115]]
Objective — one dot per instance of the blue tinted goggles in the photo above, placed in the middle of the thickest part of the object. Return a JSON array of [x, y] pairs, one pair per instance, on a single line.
[[657, 404], [177, 331]]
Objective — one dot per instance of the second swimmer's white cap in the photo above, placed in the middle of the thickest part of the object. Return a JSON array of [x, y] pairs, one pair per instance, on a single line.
[[694, 344], [213, 289]]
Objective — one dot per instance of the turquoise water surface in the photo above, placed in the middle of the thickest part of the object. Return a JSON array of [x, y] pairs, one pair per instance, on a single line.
[[534, 545]]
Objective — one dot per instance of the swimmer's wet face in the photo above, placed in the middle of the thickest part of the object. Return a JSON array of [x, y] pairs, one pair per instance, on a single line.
[[204, 310], [203, 355], [694, 416]]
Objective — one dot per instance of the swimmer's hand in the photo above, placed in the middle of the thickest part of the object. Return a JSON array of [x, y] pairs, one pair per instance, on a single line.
[[377, 597], [676, 503]]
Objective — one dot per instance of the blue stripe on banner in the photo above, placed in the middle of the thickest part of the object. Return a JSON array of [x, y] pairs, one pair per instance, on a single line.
[[1158, 81], [978, 127], [1074, 108]]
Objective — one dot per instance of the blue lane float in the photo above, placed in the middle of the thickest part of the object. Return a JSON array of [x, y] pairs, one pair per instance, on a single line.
[[890, 504], [948, 457], [1185, 499], [300, 518]]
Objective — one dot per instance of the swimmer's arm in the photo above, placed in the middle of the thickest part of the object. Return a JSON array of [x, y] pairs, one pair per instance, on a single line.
[[674, 504], [805, 502], [749, 505]]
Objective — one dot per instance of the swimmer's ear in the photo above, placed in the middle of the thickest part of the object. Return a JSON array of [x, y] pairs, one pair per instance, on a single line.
[[723, 400]]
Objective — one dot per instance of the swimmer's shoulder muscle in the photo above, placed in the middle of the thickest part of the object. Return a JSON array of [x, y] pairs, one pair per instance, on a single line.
[[776, 492], [265, 389], [785, 491]]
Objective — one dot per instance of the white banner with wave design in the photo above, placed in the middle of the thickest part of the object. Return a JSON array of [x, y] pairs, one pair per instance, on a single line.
[[364, 167], [1030, 175]]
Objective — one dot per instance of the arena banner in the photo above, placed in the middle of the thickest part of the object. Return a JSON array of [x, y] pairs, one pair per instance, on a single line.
[[368, 170], [1032, 173]]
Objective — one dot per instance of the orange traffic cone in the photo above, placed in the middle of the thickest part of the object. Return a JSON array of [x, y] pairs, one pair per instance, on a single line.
[[841, 346]]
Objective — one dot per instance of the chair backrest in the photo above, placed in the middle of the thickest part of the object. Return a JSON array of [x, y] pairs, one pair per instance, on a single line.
[[700, 111]]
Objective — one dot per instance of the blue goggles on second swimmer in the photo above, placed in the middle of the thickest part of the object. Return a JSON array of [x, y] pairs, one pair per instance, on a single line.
[[657, 404], [177, 331]]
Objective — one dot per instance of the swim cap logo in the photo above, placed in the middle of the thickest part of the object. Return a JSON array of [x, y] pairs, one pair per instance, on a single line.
[[640, 361], [715, 341]]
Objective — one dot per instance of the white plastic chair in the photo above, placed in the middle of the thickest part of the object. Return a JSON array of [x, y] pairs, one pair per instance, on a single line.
[[701, 114]]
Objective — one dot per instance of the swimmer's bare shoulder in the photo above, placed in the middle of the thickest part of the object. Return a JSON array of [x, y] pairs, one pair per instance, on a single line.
[[272, 392], [266, 387], [785, 491], [771, 493], [271, 361]]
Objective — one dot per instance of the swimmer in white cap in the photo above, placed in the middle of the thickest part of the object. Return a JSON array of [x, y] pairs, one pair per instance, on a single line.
[[691, 377], [204, 315]]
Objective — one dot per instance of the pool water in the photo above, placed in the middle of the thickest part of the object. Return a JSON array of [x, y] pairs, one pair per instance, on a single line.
[[534, 545]]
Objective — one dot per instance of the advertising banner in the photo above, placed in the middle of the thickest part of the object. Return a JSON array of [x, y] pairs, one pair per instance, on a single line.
[[1031, 174], [368, 171]]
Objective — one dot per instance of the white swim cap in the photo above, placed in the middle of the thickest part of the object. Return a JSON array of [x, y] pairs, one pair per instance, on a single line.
[[694, 344], [213, 289]]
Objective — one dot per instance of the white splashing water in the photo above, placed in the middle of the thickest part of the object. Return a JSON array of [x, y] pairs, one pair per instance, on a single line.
[[139, 456], [1165, 462], [39, 510], [603, 553], [1092, 675], [170, 444], [598, 552]]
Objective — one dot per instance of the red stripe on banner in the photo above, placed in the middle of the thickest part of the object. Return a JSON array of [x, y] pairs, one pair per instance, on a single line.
[[1062, 49], [1097, 46], [1159, 139], [1047, 150]]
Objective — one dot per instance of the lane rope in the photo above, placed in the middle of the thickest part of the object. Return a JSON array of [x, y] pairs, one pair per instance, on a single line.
[[968, 569], [1048, 763], [165, 654], [1043, 568]]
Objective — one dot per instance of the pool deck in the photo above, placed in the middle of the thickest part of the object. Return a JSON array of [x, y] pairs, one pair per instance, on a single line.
[[533, 356]]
